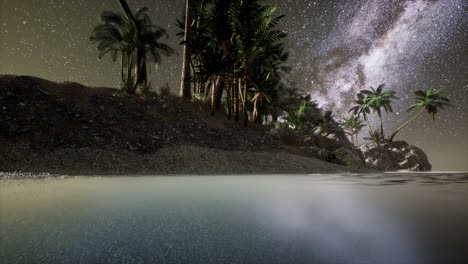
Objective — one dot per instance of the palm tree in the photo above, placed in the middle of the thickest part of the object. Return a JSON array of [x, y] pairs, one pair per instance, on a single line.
[[253, 26], [378, 98], [221, 34], [260, 92], [430, 100], [135, 38], [115, 37], [353, 125], [147, 47], [211, 71], [362, 108], [195, 43], [185, 90], [266, 71]]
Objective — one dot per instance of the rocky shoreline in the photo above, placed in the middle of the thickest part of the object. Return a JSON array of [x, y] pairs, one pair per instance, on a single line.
[[71, 129]]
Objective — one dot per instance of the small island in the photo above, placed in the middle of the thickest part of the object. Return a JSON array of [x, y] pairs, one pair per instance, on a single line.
[[237, 111]]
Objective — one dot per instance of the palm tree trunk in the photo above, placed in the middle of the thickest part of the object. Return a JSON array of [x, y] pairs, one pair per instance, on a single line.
[[122, 63], [194, 79], [351, 134], [208, 90], [138, 64], [255, 111], [128, 83], [381, 123], [185, 90], [368, 124], [127, 10], [235, 91], [213, 94], [405, 124], [144, 72], [246, 84], [220, 83], [228, 100], [131, 18]]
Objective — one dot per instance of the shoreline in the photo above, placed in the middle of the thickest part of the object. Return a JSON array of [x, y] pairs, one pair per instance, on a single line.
[[71, 129], [177, 160]]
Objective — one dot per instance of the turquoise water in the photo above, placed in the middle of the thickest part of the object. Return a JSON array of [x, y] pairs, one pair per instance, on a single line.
[[372, 218]]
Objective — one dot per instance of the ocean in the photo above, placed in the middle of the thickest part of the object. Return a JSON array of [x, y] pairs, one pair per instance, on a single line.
[[292, 219]]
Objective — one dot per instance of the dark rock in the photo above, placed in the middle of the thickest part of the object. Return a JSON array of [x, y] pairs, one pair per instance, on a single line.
[[392, 156]]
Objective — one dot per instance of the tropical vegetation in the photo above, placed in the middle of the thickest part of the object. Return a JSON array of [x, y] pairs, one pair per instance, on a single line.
[[373, 100], [430, 101], [353, 124], [237, 53], [135, 39], [235, 61]]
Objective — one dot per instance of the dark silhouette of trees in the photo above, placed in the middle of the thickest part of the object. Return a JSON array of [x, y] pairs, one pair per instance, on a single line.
[[137, 41]]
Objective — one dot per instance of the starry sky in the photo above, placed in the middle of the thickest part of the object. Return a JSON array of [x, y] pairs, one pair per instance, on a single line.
[[337, 48]]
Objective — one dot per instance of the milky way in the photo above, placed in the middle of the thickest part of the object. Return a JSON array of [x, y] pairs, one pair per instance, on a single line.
[[381, 42], [337, 48], [341, 47]]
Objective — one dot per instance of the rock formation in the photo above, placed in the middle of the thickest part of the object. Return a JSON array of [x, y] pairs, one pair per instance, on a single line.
[[392, 156]]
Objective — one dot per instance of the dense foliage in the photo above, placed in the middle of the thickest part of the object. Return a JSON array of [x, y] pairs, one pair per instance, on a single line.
[[238, 53]]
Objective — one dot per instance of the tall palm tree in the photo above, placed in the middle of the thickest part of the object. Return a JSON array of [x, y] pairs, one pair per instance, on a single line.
[[185, 90], [221, 36], [147, 47], [135, 38], [430, 100], [377, 99], [253, 26], [114, 36]]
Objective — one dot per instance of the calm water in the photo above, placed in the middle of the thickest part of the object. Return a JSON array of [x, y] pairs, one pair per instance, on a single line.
[[386, 218]]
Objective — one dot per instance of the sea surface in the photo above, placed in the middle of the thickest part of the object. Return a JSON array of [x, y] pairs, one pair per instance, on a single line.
[[301, 219]]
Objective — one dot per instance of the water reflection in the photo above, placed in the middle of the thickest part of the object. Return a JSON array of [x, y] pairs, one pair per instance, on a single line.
[[391, 218]]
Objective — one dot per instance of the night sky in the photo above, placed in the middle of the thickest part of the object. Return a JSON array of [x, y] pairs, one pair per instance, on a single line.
[[337, 47]]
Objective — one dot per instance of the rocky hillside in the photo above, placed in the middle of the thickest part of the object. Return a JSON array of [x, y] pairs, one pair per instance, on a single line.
[[73, 129]]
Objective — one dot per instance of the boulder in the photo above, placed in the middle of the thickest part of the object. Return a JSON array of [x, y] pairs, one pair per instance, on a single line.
[[393, 156]]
